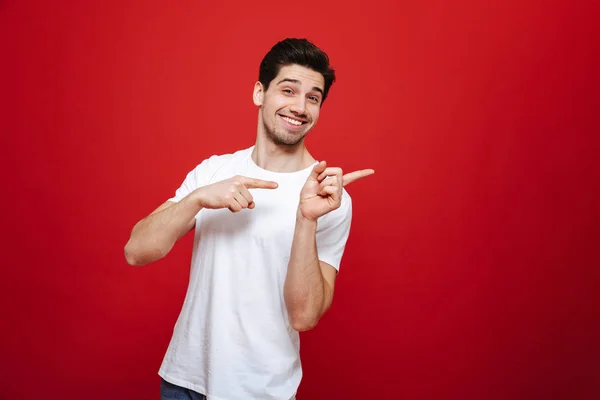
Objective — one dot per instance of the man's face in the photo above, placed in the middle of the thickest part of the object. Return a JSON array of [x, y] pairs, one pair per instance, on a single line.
[[290, 107]]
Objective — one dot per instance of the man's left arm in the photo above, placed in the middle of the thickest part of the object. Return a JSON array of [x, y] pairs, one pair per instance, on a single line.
[[310, 282]]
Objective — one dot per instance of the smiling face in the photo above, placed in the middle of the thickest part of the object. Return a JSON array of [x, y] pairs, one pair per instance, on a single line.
[[290, 107]]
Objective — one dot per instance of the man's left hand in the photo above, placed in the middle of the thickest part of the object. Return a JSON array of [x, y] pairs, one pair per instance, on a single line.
[[322, 191]]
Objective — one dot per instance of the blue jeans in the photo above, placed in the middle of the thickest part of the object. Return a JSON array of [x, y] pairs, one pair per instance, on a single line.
[[168, 391]]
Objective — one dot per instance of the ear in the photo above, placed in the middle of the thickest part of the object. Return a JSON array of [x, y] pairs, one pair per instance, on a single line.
[[258, 94]]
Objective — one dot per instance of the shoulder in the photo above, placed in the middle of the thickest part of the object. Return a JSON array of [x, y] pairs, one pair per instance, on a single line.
[[210, 166], [219, 160]]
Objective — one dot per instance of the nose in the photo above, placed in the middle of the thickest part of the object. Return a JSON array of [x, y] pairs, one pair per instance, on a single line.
[[298, 107]]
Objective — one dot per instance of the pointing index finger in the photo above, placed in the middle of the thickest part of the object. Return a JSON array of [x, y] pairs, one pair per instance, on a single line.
[[253, 183], [353, 176]]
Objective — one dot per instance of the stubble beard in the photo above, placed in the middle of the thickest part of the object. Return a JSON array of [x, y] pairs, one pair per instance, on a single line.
[[282, 138]]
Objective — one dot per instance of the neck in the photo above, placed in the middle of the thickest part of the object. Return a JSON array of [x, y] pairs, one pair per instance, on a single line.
[[280, 158]]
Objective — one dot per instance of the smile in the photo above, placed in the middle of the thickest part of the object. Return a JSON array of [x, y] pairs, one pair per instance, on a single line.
[[292, 121]]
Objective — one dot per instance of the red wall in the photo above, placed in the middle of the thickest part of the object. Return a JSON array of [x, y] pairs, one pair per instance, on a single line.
[[473, 266]]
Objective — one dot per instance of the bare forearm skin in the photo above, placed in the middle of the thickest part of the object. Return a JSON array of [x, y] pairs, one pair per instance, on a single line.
[[154, 236], [307, 294]]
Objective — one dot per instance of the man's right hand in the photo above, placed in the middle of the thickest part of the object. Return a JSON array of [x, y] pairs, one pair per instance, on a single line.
[[232, 193]]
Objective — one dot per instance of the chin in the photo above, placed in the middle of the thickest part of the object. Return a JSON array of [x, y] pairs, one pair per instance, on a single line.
[[287, 141], [284, 138]]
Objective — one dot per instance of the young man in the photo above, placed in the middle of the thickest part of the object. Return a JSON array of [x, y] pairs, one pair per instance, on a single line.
[[271, 224]]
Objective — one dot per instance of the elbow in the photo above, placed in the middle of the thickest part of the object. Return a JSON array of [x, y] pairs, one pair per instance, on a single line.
[[131, 257], [303, 323], [134, 257]]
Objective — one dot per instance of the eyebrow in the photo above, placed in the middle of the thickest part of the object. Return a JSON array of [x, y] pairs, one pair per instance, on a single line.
[[296, 81]]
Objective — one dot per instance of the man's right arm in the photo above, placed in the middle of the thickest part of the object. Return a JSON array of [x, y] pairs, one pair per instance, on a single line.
[[153, 237]]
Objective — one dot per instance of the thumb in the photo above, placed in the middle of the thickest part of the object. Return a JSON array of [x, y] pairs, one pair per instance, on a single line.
[[320, 167]]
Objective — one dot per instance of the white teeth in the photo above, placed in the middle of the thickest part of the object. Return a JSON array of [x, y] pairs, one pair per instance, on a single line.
[[292, 121]]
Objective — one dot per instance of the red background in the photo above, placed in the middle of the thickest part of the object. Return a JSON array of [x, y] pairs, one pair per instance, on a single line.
[[472, 269]]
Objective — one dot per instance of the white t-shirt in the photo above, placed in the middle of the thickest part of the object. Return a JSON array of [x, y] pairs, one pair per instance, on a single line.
[[233, 339]]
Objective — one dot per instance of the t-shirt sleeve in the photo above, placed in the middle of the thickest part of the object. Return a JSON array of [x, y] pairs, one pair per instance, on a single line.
[[200, 176], [333, 230]]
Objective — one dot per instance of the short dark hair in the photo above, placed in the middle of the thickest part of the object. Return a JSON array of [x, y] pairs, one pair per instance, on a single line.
[[296, 51]]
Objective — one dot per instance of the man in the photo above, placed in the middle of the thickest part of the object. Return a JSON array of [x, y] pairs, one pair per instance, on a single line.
[[271, 224]]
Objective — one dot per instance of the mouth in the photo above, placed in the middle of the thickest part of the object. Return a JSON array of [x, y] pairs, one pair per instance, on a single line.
[[292, 122]]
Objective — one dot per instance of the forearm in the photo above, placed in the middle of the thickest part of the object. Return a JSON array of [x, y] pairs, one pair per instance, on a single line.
[[305, 289], [153, 237]]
